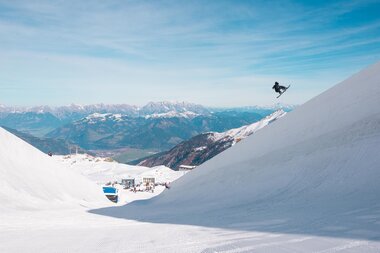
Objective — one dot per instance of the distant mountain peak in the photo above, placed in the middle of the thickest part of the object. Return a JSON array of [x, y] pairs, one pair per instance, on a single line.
[[96, 117], [168, 107], [173, 114]]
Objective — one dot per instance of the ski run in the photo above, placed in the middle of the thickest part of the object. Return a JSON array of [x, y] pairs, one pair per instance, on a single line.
[[308, 182]]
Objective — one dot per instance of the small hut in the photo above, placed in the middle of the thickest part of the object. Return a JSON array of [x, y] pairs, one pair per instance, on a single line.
[[147, 180]]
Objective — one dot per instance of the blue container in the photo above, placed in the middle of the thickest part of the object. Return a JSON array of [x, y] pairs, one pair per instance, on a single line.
[[111, 193], [109, 190]]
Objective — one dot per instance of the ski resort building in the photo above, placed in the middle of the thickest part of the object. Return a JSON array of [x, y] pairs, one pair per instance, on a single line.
[[128, 182], [147, 180]]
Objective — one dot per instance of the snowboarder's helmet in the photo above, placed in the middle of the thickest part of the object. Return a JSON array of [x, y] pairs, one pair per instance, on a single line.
[[276, 83]]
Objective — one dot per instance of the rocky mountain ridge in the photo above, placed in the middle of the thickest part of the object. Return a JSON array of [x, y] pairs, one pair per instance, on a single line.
[[203, 147]]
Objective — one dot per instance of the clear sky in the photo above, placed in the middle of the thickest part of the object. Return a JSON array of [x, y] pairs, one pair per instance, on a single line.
[[217, 53]]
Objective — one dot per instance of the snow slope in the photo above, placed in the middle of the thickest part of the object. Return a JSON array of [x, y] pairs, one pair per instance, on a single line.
[[306, 183], [315, 171], [323, 149], [32, 180]]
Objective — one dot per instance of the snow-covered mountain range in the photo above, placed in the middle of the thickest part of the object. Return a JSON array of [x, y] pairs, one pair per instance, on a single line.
[[75, 111], [107, 131], [40, 120]]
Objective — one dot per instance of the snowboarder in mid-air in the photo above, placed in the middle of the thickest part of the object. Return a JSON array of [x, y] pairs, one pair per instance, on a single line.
[[280, 89]]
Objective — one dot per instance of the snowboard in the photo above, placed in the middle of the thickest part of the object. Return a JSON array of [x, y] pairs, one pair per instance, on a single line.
[[283, 91]]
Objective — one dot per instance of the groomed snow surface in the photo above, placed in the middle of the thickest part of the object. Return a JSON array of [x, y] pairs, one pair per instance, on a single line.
[[31, 180], [308, 182]]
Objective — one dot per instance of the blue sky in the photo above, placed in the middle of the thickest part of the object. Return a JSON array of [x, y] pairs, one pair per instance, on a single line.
[[217, 53]]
